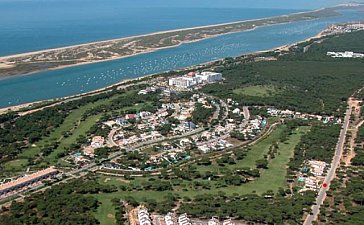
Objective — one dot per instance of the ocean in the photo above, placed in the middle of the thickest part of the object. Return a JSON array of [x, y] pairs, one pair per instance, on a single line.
[[34, 25], [113, 22]]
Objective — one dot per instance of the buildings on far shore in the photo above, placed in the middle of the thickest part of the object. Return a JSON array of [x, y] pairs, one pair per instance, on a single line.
[[345, 54], [192, 79]]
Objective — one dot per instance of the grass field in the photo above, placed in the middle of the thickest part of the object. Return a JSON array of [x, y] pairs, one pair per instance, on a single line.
[[275, 176], [66, 142], [16, 165], [257, 90], [138, 106], [71, 122], [257, 152], [105, 212], [271, 179]]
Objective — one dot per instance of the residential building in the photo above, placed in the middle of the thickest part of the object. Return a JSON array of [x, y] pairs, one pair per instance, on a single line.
[[191, 79], [89, 151], [97, 142], [346, 54], [130, 116], [169, 219], [184, 220], [317, 167], [209, 77], [142, 92], [121, 121], [144, 217], [311, 183], [213, 221], [26, 181], [228, 222], [183, 82], [236, 111]]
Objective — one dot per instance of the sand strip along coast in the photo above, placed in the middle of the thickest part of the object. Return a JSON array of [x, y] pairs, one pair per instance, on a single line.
[[28, 63], [27, 108]]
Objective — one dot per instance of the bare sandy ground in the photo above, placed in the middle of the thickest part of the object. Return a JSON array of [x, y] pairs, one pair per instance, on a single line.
[[5, 65]]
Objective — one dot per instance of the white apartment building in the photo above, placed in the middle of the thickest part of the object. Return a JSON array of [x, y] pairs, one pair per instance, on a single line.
[[209, 77], [228, 222], [346, 54], [143, 217], [183, 82], [169, 219], [193, 79], [213, 221], [184, 220]]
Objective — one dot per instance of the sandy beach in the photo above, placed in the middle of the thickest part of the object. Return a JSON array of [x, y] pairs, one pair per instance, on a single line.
[[3, 58], [108, 50], [5, 65]]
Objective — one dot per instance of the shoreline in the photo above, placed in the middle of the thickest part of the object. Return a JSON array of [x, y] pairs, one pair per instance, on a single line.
[[84, 61], [136, 54], [60, 100], [149, 34], [145, 52]]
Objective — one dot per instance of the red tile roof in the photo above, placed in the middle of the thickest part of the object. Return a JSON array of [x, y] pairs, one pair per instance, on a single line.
[[28, 178]]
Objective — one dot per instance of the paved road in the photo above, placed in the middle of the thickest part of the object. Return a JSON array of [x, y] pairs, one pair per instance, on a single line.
[[331, 174], [246, 114], [74, 173], [110, 137]]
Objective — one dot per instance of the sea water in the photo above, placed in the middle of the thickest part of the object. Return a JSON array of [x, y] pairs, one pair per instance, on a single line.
[[80, 79], [41, 24]]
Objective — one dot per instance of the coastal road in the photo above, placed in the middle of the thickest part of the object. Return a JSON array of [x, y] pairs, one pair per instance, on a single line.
[[331, 174]]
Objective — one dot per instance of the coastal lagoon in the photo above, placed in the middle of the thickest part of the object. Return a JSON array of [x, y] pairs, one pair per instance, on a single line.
[[80, 79]]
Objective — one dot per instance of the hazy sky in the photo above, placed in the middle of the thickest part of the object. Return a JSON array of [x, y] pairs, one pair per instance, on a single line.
[[287, 4]]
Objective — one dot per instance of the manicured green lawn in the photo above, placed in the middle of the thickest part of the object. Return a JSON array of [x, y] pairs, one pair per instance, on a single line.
[[72, 121], [275, 176], [106, 211], [138, 106], [257, 90], [15, 165], [66, 142], [256, 152], [69, 123], [271, 179]]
